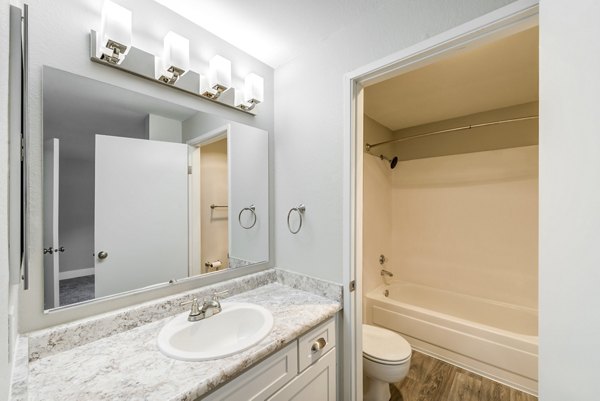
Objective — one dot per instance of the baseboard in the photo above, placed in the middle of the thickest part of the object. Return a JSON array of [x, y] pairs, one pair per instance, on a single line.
[[75, 273]]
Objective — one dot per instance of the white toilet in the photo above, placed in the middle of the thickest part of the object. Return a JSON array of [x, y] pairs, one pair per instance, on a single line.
[[386, 359]]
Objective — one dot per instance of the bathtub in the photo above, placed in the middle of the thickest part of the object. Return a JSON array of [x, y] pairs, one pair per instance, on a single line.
[[493, 339]]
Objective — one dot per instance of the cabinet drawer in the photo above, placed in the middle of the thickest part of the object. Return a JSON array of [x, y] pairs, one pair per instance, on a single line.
[[315, 344], [261, 381]]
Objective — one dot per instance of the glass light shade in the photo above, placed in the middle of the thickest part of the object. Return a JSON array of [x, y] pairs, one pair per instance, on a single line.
[[219, 74], [254, 90], [115, 25], [204, 85], [238, 98], [176, 52]]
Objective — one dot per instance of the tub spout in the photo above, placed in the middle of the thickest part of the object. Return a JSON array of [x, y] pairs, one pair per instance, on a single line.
[[386, 275]]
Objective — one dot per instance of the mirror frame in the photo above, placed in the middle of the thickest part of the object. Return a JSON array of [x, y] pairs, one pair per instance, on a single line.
[[33, 217], [73, 34], [202, 138]]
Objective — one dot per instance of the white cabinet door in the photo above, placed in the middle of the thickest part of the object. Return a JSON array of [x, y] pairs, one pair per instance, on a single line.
[[260, 382], [140, 221], [317, 383]]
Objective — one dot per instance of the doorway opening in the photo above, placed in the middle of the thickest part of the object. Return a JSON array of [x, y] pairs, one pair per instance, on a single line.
[[464, 138], [209, 203]]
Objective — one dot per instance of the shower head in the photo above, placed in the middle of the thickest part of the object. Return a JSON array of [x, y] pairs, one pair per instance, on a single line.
[[393, 161]]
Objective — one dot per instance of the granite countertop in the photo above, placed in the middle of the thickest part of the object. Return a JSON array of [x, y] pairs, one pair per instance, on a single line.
[[129, 366]]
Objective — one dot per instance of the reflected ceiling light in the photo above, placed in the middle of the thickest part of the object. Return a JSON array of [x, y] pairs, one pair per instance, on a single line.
[[219, 78], [254, 91], [175, 60], [114, 38]]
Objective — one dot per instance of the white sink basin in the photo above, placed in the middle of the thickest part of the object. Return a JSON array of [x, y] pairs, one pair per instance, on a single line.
[[236, 328]]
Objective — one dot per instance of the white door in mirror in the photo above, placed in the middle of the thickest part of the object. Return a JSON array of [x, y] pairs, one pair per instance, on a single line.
[[236, 328], [140, 213]]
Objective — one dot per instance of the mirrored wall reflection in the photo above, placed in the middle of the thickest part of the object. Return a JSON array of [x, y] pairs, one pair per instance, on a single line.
[[139, 191]]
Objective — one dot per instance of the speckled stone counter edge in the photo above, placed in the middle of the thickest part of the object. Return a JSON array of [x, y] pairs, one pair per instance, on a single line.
[[114, 371], [60, 338], [310, 284], [20, 373]]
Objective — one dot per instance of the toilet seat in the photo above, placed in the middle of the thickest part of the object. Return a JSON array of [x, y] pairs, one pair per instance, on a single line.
[[384, 362], [385, 346]]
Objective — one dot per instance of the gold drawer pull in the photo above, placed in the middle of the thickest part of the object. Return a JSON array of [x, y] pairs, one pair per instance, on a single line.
[[318, 345]]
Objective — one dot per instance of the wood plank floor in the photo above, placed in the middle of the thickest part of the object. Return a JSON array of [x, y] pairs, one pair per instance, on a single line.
[[430, 379]]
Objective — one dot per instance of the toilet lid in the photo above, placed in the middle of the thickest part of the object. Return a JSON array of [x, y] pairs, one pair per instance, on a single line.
[[384, 345]]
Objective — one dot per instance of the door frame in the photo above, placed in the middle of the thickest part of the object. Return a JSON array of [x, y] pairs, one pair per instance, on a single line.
[[51, 221], [505, 21], [195, 219]]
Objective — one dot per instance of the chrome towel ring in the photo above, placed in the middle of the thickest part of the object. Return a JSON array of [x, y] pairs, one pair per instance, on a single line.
[[251, 209], [300, 210]]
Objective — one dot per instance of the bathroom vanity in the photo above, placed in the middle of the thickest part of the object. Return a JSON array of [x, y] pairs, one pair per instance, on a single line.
[[115, 356], [304, 369]]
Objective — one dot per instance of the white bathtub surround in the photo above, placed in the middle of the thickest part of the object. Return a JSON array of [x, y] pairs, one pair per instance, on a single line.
[[493, 339], [468, 223], [128, 365]]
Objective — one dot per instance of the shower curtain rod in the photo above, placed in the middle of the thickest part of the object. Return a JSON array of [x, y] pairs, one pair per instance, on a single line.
[[512, 120]]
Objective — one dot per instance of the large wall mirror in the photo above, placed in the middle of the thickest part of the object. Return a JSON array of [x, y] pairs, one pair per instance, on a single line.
[[140, 192]]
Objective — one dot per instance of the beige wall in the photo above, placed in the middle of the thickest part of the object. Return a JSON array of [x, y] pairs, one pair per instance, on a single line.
[[213, 190], [512, 135], [377, 203], [469, 223]]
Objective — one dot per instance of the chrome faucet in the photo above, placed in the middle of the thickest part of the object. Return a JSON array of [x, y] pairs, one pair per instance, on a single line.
[[208, 309], [195, 313]]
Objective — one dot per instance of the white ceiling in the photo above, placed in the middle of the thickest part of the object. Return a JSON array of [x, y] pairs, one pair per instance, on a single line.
[[501, 74], [273, 31]]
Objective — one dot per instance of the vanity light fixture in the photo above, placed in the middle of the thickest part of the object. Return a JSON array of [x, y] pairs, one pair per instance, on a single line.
[[254, 90], [114, 38], [205, 89], [219, 78], [175, 60], [112, 43]]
